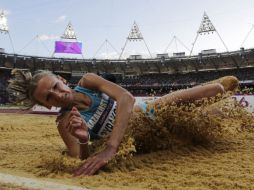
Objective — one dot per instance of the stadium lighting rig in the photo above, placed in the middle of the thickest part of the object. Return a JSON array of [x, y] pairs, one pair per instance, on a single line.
[[3, 23], [206, 27], [68, 43], [69, 32], [4, 27], [135, 35]]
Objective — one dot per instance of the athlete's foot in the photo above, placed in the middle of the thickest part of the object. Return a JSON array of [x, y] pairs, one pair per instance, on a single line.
[[230, 83]]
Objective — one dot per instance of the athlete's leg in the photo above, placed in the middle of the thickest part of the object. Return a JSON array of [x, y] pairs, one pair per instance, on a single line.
[[191, 94], [230, 83], [208, 90]]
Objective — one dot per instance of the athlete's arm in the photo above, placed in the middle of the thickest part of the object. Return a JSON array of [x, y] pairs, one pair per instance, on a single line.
[[125, 102], [74, 134], [77, 128], [69, 140]]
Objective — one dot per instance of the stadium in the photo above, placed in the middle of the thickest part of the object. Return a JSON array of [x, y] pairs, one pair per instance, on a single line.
[[225, 163], [140, 76]]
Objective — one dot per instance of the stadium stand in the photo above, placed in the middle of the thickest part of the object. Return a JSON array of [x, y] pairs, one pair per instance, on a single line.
[[142, 76]]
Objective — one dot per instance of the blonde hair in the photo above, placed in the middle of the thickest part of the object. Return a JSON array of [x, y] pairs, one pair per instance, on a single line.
[[22, 86]]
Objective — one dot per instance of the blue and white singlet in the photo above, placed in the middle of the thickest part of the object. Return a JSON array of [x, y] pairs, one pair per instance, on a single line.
[[100, 116]]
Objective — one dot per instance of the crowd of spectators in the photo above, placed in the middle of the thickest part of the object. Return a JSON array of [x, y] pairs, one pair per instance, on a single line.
[[153, 84], [4, 77], [159, 84], [191, 78]]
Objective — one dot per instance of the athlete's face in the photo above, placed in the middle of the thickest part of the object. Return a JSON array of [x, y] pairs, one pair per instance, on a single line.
[[51, 91]]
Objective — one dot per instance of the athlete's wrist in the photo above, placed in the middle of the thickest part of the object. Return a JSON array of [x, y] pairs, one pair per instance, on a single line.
[[112, 148]]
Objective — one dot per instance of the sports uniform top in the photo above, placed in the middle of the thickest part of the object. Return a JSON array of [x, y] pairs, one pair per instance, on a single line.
[[100, 116]]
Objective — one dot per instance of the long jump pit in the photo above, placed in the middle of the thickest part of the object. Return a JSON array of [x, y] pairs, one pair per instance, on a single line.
[[209, 147]]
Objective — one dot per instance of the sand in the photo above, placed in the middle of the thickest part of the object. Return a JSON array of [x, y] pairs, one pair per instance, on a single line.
[[212, 148], [7, 186]]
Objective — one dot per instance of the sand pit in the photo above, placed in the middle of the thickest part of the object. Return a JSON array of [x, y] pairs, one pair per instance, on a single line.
[[7, 181], [7, 186], [30, 146]]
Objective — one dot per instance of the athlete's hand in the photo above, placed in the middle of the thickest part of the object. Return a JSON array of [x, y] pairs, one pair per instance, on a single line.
[[76, 126], [94, 163]]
